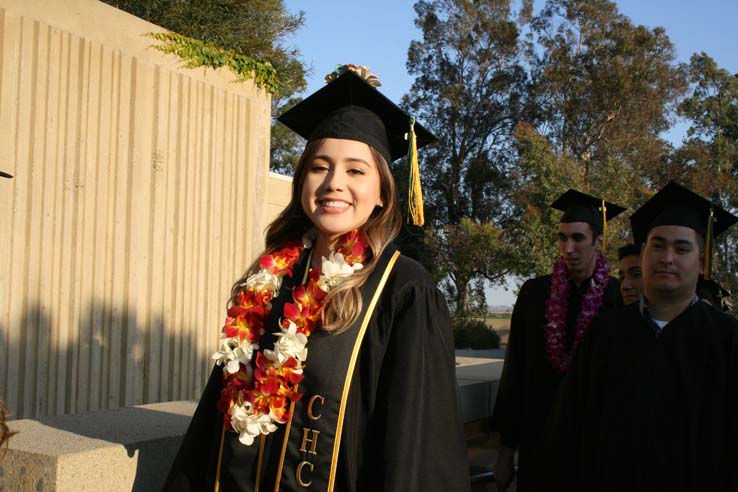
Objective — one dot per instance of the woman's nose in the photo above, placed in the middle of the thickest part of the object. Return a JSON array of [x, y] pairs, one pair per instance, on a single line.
[[333, 181]]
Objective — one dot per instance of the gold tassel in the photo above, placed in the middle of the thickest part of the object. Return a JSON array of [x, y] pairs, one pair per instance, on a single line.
[[415, 191], [604, 227], [708, 246]]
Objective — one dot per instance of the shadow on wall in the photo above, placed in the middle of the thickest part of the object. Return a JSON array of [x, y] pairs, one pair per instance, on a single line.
[[110, 361]]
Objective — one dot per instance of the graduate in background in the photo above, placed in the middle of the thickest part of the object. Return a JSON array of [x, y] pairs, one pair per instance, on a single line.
[[550, 316], [336, 369], [629, 273], [709, 290], [651, 401]]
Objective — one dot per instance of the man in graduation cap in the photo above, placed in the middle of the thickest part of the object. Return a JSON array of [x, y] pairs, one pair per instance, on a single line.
[[651, 401], [551, 315]]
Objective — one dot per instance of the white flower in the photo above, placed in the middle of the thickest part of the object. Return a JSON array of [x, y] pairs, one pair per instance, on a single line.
[[334, 270], [248, 425], [264, 280], [233, 352], [291, 344], [361, 70]]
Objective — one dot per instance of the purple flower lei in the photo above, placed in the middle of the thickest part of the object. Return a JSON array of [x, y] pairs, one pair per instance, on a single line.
[[558, 305]]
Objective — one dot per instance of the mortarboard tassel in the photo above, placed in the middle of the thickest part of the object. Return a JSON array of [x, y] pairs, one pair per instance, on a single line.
[[604, 227], [708, 246], [415, 192]]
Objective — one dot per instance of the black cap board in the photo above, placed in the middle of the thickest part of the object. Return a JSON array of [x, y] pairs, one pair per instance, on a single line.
[[580, 207], [628, 250], [5, 175], [350, 108], [676, 205]]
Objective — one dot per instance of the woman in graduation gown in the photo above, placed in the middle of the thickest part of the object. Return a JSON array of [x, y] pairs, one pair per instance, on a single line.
[[336, 367]]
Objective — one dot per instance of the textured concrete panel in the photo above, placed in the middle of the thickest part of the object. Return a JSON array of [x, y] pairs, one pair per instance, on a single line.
[[139, 197]]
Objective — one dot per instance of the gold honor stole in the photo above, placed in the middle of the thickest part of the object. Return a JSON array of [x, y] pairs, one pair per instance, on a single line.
[[303, 454]]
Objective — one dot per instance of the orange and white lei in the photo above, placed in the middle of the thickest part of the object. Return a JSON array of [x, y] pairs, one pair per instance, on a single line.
[[254, 399]]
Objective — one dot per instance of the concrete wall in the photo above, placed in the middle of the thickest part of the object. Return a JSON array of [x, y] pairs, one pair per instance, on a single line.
[[278, 195], [138, 199]]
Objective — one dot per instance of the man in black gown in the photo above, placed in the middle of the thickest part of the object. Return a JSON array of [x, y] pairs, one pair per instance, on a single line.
[[651, 401], [529, 378]]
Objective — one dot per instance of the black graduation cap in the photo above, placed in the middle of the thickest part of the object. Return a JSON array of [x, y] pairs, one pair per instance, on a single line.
[[580, 207], [349, 107], [676, 205], [5, 175], [628, 250]]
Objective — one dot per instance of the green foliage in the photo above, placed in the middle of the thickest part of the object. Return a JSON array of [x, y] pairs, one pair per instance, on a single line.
[[604, 86], [468, 90], [474, 334], [196, 53], [604, 89], [542, 176], [707, 160], [467, 252]]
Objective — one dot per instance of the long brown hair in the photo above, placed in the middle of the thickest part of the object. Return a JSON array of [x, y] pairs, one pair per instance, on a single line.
[[343, 304]]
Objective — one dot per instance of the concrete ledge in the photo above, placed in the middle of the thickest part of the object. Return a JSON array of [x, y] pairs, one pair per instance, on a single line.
[[477, 379], [129, 449]]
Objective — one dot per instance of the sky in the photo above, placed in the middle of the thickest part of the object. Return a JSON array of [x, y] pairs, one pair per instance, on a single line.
[[377, 33]]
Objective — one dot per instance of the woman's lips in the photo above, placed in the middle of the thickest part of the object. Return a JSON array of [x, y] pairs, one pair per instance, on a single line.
[[333, 206]]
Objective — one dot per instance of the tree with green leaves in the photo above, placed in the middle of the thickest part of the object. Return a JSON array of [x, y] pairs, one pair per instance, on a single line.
[[465, 256], [707, 161], [253, 28], [469, 90], [605, 90]]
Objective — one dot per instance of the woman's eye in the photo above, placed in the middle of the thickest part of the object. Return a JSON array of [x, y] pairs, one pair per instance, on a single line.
[[356, 171], [316, 168]]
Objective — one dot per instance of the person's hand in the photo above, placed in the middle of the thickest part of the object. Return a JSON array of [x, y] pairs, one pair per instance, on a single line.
[[504, 468]]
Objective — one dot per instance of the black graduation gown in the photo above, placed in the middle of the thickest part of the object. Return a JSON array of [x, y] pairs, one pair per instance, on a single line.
[[641, 412], [528, 384], [402, 429]]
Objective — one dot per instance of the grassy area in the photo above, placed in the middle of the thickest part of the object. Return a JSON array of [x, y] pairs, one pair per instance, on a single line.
[[497, 323]]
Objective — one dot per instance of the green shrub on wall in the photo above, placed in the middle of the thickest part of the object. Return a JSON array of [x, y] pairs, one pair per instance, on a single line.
[[196, 53], [474, 334]]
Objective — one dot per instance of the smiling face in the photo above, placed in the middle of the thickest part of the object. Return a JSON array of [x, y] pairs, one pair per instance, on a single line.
[[630, 278], [579, 248], [671, 262], [341, 187]]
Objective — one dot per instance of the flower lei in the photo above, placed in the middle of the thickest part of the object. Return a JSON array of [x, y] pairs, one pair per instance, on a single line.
[[361, 70], [255, 399], [558, 305]]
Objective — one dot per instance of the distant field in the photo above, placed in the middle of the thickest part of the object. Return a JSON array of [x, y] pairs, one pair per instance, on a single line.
[[496, 322]]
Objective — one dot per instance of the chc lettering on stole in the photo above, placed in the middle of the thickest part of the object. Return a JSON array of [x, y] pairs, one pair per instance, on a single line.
[[309, 442]]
